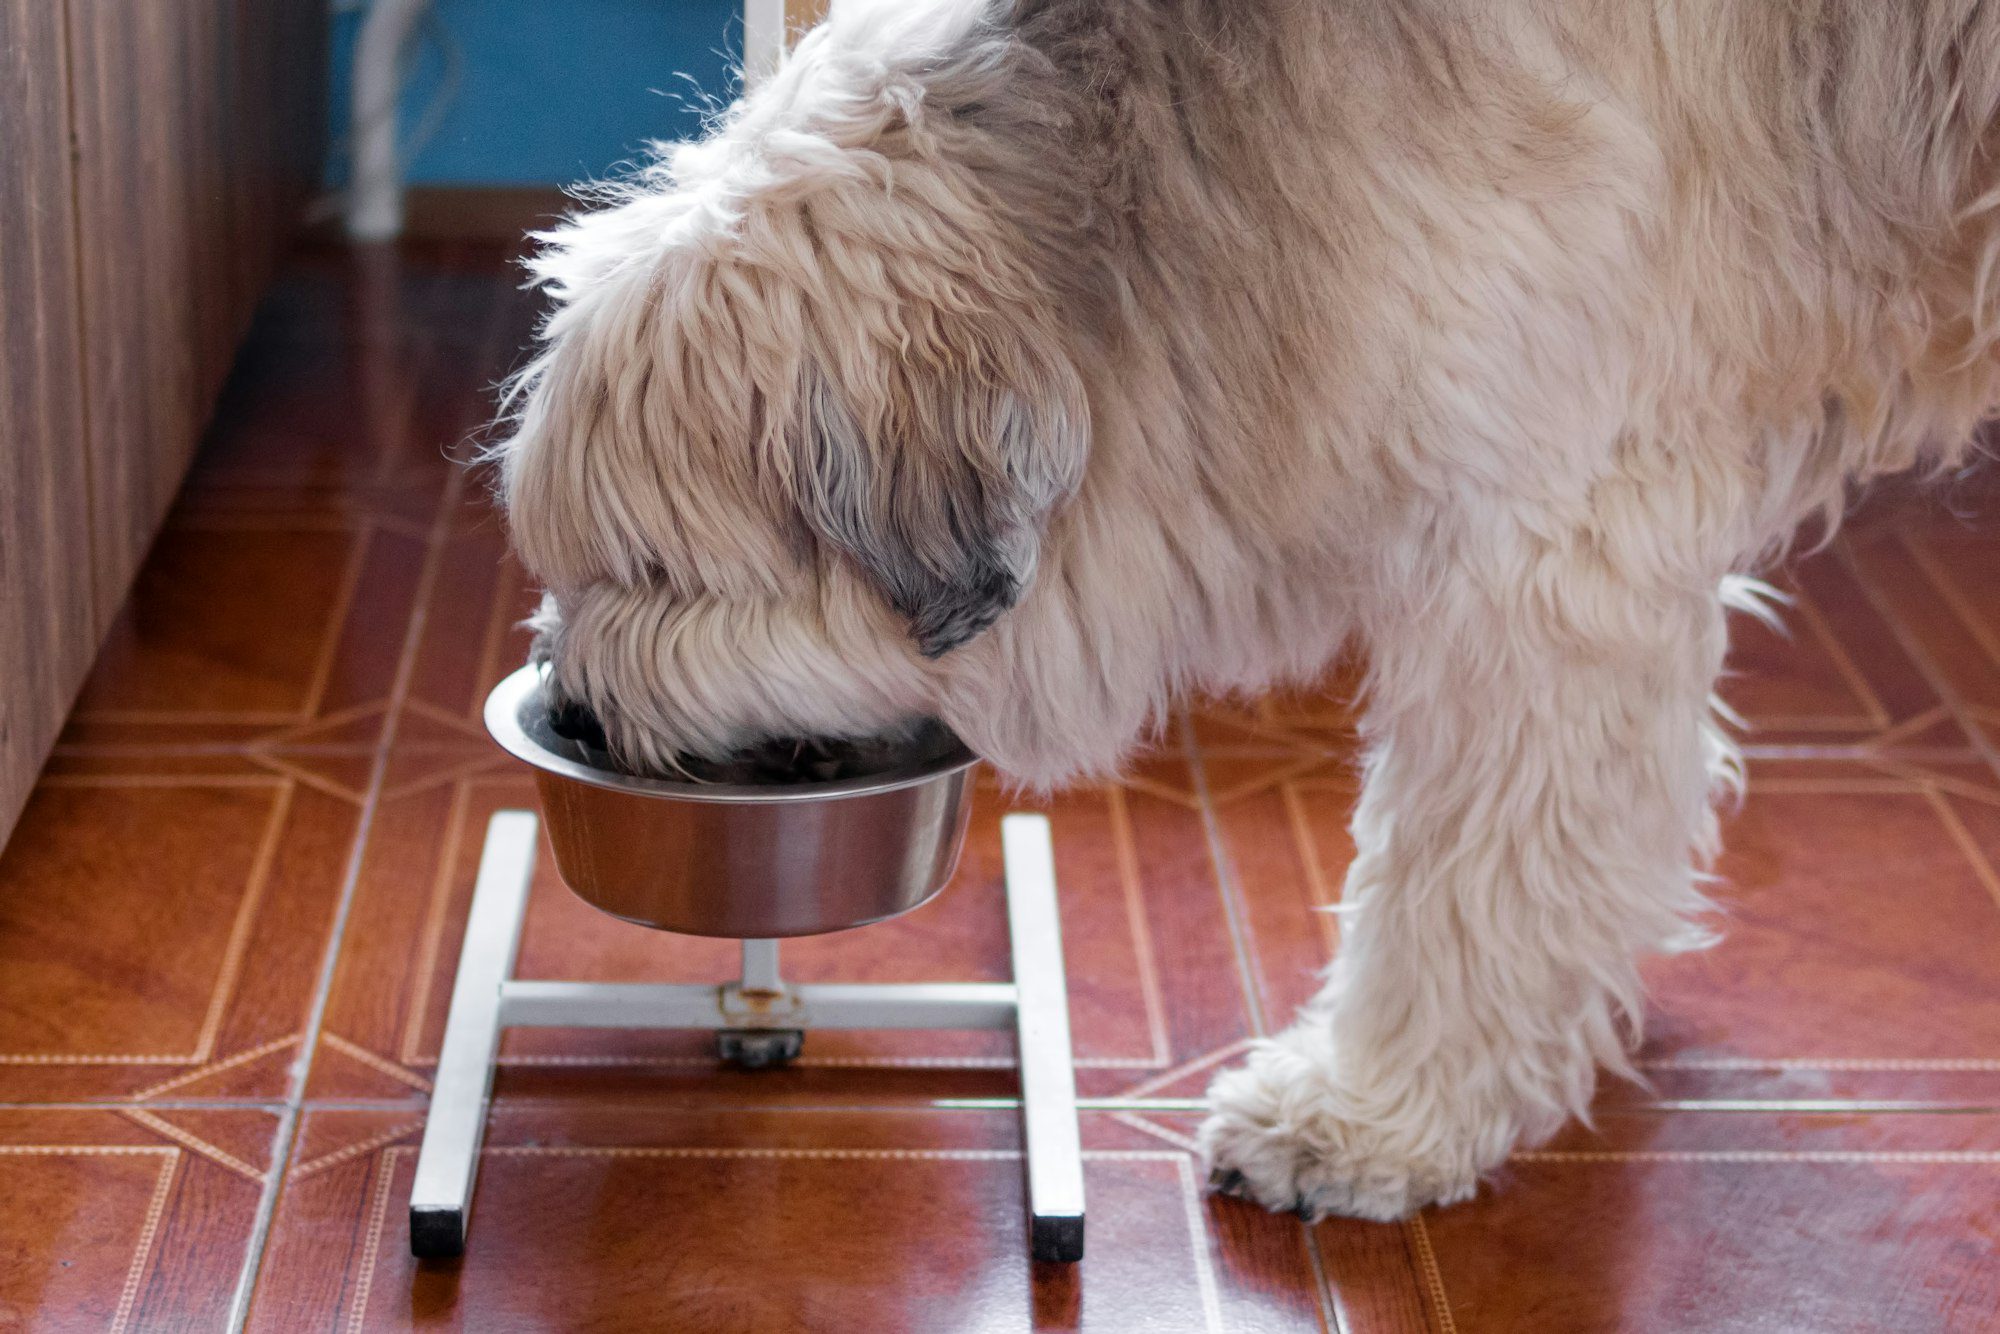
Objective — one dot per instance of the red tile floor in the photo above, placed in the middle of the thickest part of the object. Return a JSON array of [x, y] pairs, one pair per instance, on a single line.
[[229, 918]]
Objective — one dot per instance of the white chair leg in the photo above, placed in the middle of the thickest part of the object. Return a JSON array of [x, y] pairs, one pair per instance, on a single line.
[[375, 185]]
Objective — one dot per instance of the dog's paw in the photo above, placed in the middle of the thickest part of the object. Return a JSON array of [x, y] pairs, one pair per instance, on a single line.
[[1283, 1134]]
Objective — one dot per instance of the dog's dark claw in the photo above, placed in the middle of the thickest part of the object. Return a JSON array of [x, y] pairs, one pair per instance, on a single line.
[[1305, 1213], [1229, 1182]]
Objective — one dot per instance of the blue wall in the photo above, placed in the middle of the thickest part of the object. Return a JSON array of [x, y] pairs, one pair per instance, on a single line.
[[555, 91]]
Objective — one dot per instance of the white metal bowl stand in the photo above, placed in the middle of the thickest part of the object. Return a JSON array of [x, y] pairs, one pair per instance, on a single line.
[[760, 1020]]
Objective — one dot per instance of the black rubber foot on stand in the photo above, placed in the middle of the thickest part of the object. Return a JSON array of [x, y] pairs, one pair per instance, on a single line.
[[759, 1048], [1056, 1239], [437, 1234]]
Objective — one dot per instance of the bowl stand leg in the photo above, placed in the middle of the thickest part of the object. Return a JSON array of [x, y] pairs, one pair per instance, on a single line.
[[441, 1198], [1050, 1139], [762, 1047], [761, 1006]]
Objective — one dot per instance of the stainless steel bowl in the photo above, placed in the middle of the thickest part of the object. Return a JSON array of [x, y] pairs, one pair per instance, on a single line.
[[707, 859]]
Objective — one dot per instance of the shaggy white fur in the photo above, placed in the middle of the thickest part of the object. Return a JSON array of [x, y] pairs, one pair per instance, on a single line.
[[1029, 364]]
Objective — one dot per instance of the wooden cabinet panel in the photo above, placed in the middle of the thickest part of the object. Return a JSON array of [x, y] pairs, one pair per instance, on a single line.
[[155, 158], [48, 623], [137, 176], [197, 129], [137, 243]]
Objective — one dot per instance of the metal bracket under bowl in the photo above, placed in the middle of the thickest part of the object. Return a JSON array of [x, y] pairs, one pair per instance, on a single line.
[[760, 1020]]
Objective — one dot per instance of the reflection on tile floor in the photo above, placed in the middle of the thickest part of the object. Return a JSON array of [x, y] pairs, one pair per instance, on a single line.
[[229, 920]]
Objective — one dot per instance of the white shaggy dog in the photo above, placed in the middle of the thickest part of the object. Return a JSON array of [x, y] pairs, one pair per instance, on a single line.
[[1029, 364]]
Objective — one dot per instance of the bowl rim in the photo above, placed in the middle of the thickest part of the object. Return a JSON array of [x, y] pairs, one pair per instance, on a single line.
[[503, 722]]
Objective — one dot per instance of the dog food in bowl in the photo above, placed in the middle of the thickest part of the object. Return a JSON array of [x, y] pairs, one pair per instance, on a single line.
[[780, 761]]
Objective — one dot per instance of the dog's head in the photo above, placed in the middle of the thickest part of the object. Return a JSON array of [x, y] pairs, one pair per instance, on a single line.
[[804, 413]]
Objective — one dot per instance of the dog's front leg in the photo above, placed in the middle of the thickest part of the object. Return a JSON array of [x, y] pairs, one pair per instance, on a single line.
[[1535, 805]]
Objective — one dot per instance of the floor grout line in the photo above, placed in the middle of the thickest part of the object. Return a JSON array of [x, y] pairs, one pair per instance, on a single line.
[[1329, 1309], [1247, 971], [1419, 1241], [1111, 1104], [287, 1133], [285, 1137], [1225, 882], [1920, 656], [119, 1104], [1913, 647]]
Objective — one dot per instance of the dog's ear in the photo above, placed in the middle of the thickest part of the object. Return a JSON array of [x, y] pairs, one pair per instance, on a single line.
[[934, 464]]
